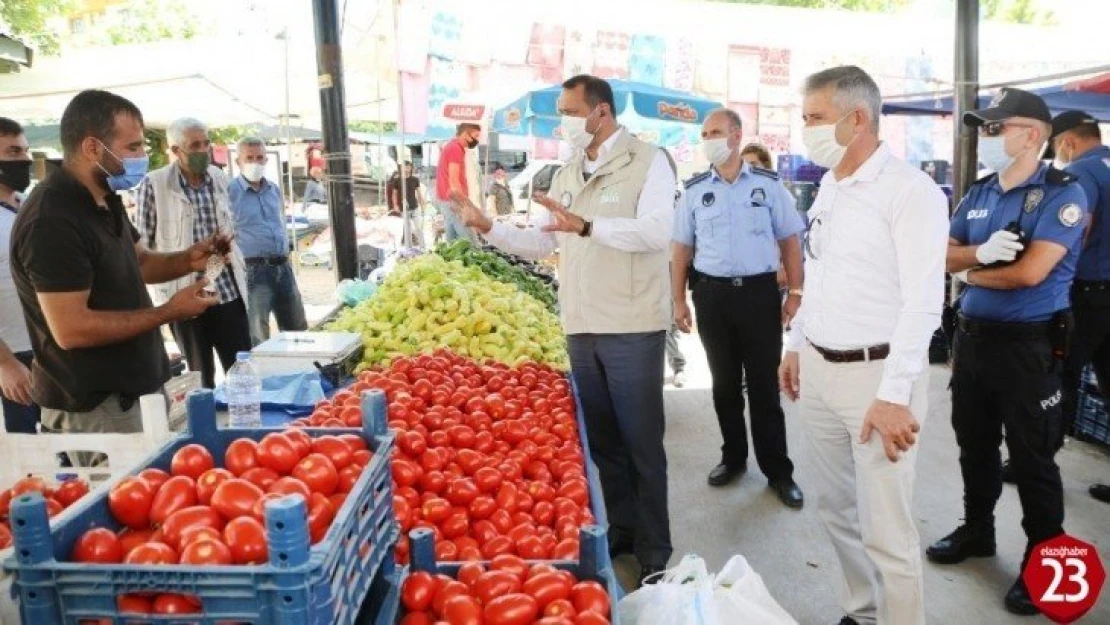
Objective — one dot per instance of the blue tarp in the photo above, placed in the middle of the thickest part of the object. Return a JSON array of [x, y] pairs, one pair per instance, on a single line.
[[1058, 97], [292, 394]]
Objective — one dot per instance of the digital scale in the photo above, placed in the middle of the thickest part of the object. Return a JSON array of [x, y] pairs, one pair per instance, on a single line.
[[334, 354]]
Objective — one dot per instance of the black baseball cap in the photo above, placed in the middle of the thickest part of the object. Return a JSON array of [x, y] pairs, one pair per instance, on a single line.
[[1010, 102], [1068, 120]]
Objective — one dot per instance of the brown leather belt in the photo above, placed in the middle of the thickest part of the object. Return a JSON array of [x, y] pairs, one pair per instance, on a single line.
[[867, 354]]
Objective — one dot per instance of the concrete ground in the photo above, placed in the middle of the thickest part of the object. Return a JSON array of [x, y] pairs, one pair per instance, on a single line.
[[790, 548]]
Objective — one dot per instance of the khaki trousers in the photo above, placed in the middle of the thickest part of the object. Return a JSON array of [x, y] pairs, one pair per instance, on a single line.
[[864, 499], [107, 417]]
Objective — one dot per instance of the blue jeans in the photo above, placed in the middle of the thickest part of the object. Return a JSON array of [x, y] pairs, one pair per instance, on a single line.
[[453, 226], [19, 418], [273, 289]]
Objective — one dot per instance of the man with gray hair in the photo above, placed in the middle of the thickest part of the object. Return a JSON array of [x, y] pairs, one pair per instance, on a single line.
[[260, 231], [180, 205], [873, 297]]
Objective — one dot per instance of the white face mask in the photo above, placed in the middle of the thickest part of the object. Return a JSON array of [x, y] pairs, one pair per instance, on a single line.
[[574, 131], [253, 171], [717, 150], [993, 153], [821, 144]]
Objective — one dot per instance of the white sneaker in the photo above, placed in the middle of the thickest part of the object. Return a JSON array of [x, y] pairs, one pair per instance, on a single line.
[[680, 379]]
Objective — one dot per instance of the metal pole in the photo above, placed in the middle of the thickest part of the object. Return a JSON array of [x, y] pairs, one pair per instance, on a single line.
[[337, 145], [966, 98], [406, 230], [291, 213]]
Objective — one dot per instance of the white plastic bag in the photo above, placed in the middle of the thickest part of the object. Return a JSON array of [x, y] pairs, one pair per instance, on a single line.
[[684, 596], [741, 597]]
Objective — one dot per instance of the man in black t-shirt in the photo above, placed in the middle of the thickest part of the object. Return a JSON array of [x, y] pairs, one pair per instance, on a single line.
[[414, 202], [81, 274]]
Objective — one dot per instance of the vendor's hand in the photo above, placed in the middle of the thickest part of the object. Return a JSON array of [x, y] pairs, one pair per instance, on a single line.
[[682, 316], [790, 309], [15, 382], [216, 245], [562, 219], [191, 301], [471, 215], [894, 423], [789, 373], [1003, 246]]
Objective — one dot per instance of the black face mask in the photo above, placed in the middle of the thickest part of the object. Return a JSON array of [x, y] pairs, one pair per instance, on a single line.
[[15, 175], [471, 143]]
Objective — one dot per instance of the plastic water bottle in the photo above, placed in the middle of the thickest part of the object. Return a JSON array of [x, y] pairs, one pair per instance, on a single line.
[[244, 394]]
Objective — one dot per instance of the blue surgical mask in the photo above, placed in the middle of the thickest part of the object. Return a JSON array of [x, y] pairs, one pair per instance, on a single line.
[[992, 153], [134, 170]]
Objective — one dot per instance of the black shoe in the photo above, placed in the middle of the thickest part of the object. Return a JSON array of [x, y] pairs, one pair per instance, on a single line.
[[967, 541], [648, 575], [1018, 601], [789, 493], [620, 545], [847, 620], [1100, 492], [1008, 473], [724, 473]]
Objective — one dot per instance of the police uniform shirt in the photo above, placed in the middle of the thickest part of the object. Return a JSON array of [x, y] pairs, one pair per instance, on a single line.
[[1049, 206], [735, 227], [1093, 170]]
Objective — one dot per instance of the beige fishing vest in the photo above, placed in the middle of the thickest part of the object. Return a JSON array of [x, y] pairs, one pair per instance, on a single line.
[[603, 290]]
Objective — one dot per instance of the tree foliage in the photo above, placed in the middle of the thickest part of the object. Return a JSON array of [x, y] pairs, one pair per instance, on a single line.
[[29, 20], [1016, 11]]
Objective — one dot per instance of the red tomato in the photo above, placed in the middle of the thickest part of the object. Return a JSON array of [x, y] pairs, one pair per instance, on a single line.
[[507, 497], [337, 500], [590, 596], [193, 534], [403, 511], [567, 549], [97, 545], [290, 486], [177, 493], [362, 457], [544, 513], [235, 498], [336, 449], [134, 604], [246, 538], [462, 610], [470, 572], [53, 508], [576, 491], [29, 485], [320, 515], [185, 518], [511, 564], [482, 507], [130, 538], [208, 482], [70, 491], [302, 442], [513, 609], [532, 548], [151, 553], [206, 553], [417, 618], [590, 618], [318, 473], [354, 441], [461, 492], [260, 477], [412, 444], [277, 453], [175, 604], [5, 502], [436, 510], [547, 587], [433, 482], [241, 456], [446, 551], [493, 584], [487, 479], [259, 509], [455, 525], [192, 460], [418, 591], [560, 607], [405, 473], [348, 477], [130, 500], [448, 589]]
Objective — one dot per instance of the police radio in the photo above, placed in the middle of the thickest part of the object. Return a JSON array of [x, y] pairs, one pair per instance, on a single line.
[[1014, 227]]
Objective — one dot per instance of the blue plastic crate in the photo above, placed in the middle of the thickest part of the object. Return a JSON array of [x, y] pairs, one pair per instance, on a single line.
[[1092, 421], [593, 477], [301, 584], [593, 564]]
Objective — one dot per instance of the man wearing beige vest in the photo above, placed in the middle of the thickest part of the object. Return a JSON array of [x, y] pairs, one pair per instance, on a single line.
[[611, 210]]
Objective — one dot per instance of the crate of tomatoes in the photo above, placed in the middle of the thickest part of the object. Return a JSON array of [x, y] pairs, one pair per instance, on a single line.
[[219, 526], [493, 459], [504, 591]]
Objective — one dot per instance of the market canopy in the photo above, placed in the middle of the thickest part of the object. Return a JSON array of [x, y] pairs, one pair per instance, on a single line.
[[671, 114], [1091, 95]]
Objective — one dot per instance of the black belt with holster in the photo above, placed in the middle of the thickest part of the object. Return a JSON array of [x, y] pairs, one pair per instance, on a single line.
[[1057, 330], [273, 261], [753, 280], [866, 354], [1091, 286]]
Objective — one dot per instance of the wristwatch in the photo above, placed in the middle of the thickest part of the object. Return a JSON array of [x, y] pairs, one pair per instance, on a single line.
[[587, 228], [797, 292]]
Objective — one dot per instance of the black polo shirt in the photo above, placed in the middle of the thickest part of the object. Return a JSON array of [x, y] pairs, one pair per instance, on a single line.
[[62, 242]]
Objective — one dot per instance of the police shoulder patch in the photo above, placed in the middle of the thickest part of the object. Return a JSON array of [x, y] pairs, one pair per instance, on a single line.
[[1071, 214], [765, 172], [696, 179]]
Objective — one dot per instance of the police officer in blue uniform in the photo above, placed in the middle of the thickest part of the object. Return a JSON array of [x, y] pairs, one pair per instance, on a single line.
[[1077, 142], [735, 223], [1015, 242]]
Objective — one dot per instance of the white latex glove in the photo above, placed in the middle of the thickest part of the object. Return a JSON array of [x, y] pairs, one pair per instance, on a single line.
[[1002, 246]]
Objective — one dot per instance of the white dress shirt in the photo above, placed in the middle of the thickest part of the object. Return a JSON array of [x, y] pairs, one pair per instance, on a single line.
[[874, 268], [13, 329], [648, 231]]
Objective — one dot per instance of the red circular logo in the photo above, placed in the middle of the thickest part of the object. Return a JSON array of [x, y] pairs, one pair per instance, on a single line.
[[1064, 576]]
